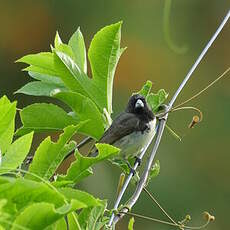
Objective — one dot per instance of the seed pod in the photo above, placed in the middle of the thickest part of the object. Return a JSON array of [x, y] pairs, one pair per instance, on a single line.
[[208, 216], [188, 217], [120, 183], [194, 121]]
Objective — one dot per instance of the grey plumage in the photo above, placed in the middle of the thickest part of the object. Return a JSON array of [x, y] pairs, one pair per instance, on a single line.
[[130, 129]]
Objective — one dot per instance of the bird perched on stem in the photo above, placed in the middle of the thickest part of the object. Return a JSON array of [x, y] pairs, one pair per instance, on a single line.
[[131, 130]]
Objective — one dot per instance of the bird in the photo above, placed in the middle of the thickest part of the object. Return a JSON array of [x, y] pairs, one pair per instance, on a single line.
[[131, 130]]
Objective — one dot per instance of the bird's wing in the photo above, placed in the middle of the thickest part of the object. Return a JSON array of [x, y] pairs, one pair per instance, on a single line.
[[123, 125]]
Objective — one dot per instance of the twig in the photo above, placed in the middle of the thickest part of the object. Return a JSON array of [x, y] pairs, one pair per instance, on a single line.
[[149, 218], [181, 226], [189, 108], [178, 106], [173, 132], [162, 209], [144, 177], [141, 184], [67, 222], [203, 90], [127, 183], [29, 158], [81, 144]]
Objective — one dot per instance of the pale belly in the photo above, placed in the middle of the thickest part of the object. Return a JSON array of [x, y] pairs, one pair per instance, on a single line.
[[133, 144]]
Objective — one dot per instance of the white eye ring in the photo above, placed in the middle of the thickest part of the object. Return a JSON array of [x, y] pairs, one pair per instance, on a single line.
[[139, 104]]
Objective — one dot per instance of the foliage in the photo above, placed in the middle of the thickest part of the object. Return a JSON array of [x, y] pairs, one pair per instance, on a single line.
[[63, 70], [154, 172], [39, 196], [7, 115]]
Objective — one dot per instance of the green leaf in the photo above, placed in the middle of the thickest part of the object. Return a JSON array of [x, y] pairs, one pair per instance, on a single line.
[[81, 196], [41, 215], [49, 155], [4, 220], [63, 183], [57, 40], [58, 225], [78, 167], [145, 90], [73, 224], [91, 218], [69, 72], [154, 172], [40, 117], [22, 192], [60, 184], [96, 213], [40, 63], [76, 80], [17, 152], [131, 223], [156, 100], [84, 109], [7, 116], [122, 164], [104, 53], [66, 49], [69, 63], [83, 217], [39, 88], [47, 78], [3, 203], [173, 133], [77, 44]]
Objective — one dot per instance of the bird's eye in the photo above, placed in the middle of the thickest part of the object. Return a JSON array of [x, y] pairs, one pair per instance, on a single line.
[[139, 104]]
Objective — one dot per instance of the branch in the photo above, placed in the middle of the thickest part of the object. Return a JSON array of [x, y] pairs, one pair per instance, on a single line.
[[197, 62], [81, 144], [144, 177], [141, 184], [128, 181]]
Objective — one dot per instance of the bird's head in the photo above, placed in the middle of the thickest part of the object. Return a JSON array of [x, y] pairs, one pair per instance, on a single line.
[[138, 105]]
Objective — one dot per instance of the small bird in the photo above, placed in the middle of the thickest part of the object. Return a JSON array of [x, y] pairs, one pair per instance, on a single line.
[[131, 130]]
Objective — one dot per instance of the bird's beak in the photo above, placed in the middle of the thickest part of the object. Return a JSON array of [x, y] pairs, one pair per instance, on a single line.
[[139, 104]]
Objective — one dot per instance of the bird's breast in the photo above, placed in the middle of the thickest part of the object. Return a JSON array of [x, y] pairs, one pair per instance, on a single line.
[[133, 143]]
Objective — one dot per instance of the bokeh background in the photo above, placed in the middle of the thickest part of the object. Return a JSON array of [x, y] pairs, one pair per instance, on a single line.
[[195, 173]]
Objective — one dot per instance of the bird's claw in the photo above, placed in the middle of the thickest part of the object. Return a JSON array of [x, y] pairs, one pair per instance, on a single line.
[[132, 170], [138, 160]]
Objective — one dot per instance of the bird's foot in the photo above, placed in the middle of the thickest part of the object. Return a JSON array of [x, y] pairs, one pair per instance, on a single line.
[[132, 170], [138, 160]]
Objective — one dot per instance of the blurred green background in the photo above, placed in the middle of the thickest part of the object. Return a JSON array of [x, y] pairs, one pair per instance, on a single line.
[[194, 173]]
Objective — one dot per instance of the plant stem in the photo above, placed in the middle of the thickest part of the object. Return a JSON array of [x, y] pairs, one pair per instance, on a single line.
[[203, 90], [81, 144], [150, 218], [180, 226], [141, 184], [127, 183], [162, 209], [144, 177]]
